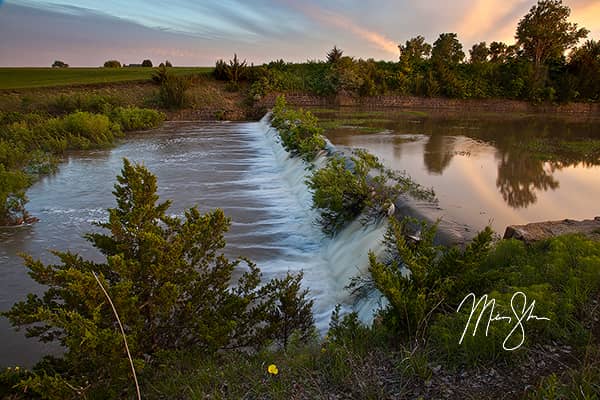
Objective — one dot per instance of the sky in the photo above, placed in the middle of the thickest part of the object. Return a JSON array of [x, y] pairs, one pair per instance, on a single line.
[[199, 32]]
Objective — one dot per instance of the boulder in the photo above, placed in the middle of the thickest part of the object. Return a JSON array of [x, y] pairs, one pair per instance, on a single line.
[[545, 230]]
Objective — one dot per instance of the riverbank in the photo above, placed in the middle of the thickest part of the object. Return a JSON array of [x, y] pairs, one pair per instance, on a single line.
[[210, 99]]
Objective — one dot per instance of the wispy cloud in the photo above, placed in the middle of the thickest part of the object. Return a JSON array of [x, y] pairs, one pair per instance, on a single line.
[[340, 21]]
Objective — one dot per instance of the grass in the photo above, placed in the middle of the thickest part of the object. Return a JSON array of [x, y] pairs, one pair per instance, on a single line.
[[23, 78]]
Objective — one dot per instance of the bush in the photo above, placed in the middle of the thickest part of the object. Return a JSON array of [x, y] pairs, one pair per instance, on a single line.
[[12, 196], [298, 130], [136, 119], [147, 63], [160, 75], [171, 284], [173, 91], [93, 103], [112, 64]]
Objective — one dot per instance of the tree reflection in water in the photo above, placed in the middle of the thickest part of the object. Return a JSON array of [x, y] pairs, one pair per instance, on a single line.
[[438, 153], [520, 175]]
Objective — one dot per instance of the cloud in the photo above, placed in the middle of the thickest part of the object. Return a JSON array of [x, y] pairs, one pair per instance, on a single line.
[[326, 17]]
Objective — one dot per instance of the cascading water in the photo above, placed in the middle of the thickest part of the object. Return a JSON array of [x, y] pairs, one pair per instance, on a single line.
[[330, 264]]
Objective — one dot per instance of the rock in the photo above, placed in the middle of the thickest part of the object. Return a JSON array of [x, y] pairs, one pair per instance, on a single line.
[[545, 230]]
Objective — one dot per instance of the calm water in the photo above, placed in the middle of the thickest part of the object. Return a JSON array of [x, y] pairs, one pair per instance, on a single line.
[[239, 167], [485, 169]]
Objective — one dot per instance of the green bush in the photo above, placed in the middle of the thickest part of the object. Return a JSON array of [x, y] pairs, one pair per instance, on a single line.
[[173, 91], [173, 289], [93, 103], [345, 189], [136, 119], [12, 195], [298, 130]]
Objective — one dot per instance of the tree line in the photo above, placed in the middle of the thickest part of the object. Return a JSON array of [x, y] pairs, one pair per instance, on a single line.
[[544, 64]]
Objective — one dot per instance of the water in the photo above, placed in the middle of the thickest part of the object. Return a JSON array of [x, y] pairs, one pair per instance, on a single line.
[[485, 169], [239, 167]]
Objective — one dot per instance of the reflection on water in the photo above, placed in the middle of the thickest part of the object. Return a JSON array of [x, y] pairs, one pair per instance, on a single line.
[[520, 176], [498, 169]]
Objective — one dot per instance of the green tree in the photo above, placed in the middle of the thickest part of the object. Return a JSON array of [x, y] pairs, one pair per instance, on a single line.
[[171, 285], [147, 63], [545, 32], [584, 64], [446, 55], [112, 64], [59, 64], [334, 55], [447, 50], [236, 70], [414, 51], [479, 53]]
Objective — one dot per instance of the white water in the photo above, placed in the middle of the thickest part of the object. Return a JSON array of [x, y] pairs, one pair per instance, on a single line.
[[328, 263]]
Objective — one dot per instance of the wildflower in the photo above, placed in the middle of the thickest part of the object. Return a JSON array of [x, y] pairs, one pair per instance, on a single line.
[[273, 369], [17, 368]]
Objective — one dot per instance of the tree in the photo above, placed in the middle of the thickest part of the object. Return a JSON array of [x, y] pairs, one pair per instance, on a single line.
[[447, 50], [498, 52], [112, 64], [414, 51], [545, 32], [236, 70], [584, 64], [59, 64], [445, 56], [147, 63], [171, 284], [479, 53], [168, 64], [334, 55]]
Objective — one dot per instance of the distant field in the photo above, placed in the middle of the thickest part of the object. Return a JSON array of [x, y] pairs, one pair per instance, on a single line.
[[21, 78]]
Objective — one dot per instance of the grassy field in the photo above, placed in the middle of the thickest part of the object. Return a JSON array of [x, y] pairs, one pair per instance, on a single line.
[[22, 78]]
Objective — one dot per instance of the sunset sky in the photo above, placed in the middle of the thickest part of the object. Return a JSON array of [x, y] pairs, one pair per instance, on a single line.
[[192, 32]]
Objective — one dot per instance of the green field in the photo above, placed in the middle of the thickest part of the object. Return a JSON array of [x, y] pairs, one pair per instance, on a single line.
[[22, 78]]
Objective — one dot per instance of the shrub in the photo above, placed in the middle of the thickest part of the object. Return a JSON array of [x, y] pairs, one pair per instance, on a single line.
[[417, 279], [160, 75], [346, 188], [220, 71], [112, 64], [136, 119], [91, 129], [147, 63], [298, 130], [171, 285], [93, 103], [12, 196], [173, 91]]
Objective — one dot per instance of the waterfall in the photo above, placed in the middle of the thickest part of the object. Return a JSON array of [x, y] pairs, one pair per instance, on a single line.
[[328, 263]]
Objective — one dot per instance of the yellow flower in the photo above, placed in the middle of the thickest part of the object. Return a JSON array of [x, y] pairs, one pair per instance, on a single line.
[[16, 368], [273, 369], [323, 350]]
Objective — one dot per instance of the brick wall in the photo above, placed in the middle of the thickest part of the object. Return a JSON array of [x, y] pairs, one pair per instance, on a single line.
[[307, 100]]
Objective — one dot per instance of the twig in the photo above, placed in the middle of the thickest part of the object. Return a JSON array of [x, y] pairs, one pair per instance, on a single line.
[[137, 386]]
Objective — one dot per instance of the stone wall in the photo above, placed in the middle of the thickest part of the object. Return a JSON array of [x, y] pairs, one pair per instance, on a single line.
[[477, 105]]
